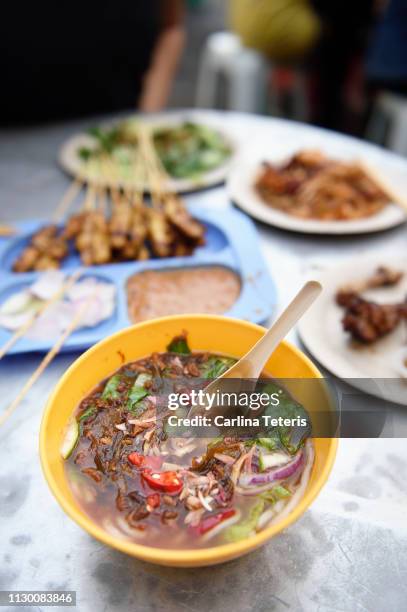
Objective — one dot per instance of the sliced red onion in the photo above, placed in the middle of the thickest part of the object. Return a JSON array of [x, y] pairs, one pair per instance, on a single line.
[[250, 484], [255, 466]]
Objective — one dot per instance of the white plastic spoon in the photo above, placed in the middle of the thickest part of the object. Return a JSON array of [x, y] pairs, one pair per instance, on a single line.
[[251, 365]]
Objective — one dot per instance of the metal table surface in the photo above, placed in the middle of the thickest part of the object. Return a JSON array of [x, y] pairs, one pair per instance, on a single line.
[[347, 553]]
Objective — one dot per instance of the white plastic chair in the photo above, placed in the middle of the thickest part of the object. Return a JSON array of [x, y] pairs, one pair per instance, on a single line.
[[388, 122], [243, 72]]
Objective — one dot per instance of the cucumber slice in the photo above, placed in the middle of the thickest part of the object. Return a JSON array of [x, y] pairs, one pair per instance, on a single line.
[[71, 439]]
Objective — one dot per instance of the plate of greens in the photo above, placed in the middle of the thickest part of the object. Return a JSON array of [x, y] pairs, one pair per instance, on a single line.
[[192, 153]]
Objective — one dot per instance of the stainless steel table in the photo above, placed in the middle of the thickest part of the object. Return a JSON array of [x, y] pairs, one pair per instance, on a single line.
[[347, 553]]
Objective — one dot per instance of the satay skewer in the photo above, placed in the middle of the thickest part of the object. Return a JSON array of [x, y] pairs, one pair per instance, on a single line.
[[45, 362], [21, 331]]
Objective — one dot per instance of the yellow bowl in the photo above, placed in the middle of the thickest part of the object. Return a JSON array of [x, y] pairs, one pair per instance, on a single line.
[[207, 333]]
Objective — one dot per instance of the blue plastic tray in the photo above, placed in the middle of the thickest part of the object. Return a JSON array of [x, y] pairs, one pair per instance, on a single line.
[[231, 241]]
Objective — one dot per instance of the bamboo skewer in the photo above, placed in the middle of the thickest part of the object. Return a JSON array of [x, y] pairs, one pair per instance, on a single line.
[[6, 230], [155, 176], [89, 202], [101, 192], [26, 326], [67, 199], [139, 175], [157, 173], [45, 362]]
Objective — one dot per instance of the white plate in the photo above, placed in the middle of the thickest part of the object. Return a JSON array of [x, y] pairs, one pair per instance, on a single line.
[[322, 333], [70, 161], [247, 167]]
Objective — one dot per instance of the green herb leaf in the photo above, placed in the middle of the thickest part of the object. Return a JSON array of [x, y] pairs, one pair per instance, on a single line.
[[110, 391], [138, 391], [190, 149], [89, 412], [179, 345], [107, 139], [268, 443], [290, 438], [138, 408], [216, 366], [85, 153], [136, 394]]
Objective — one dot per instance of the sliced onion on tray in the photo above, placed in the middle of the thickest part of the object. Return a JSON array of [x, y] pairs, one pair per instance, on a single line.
[[17, 303], [14, 322], [48, 284], [20, 307]]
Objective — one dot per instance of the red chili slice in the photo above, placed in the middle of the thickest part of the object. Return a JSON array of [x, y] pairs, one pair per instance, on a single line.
[[169, 482], [139, 460], [136, 459], [212, 521]]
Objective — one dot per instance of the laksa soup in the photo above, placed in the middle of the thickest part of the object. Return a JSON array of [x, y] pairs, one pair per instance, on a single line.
[[139, 482]]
